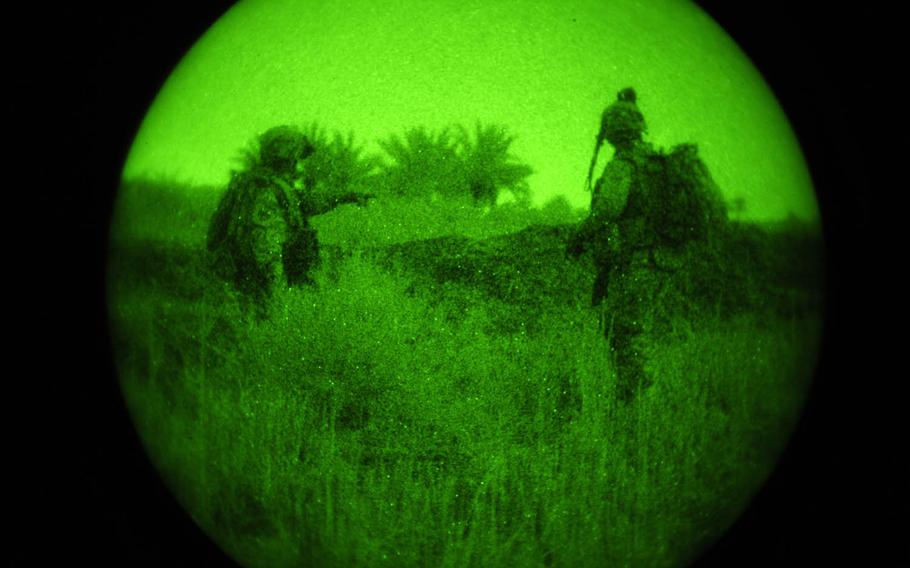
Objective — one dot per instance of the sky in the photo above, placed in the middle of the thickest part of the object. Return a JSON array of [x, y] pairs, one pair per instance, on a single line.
[[545, 70]]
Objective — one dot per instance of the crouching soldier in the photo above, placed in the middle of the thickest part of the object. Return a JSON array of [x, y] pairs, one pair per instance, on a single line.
[[261, 233]]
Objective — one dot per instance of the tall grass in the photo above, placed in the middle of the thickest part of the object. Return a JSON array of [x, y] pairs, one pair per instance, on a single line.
[[366, 424]]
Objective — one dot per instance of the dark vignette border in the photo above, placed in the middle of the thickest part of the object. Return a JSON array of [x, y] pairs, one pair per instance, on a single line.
[[82, 81]]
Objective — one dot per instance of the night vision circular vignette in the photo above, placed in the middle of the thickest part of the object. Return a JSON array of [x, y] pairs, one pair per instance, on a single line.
[[497, 283]]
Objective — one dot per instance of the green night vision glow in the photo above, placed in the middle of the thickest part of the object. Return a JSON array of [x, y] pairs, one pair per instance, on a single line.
[[465, 283]]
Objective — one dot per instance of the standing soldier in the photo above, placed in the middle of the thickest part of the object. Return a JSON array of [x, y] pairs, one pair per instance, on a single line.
[[261, 232], [623, 125], [612, 232], [645, 201]]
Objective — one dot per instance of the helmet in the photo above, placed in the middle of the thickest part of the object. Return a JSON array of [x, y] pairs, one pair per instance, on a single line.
[[622, 121], [280, 147]]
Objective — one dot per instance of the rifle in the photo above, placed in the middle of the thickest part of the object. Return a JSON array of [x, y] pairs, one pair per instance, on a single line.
[[597, 144]]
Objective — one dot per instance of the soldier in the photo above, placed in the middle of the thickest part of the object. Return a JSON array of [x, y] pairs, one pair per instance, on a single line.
[[610, 233], [623, 125], [645, 202], [261, 232]]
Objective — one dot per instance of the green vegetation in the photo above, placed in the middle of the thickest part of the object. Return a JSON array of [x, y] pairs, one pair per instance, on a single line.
[[449, 402], [426, 164], [423, 163], [490, 167], [337, 163], [165, 210], [442, 394]]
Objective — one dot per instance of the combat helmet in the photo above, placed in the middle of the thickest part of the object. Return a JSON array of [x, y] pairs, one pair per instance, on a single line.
[[622, 122], [280, 148]]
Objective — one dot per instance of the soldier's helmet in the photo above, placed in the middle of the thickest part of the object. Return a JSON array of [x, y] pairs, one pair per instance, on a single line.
[[622, 122], [282, 146]]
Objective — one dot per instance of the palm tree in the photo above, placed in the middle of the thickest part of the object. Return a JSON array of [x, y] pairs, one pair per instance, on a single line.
[[247, 158], [489, 167], [337, 164], [423, 163]]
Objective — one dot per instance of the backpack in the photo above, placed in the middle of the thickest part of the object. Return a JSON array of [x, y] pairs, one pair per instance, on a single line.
[[680, 202]]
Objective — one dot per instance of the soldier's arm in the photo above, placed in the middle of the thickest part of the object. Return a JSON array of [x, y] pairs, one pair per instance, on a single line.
[[355, 198], [316, 206]]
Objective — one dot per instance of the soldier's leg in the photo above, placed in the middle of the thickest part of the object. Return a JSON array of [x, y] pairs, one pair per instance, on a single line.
[[626, 340], [627, 359], [605, 262]]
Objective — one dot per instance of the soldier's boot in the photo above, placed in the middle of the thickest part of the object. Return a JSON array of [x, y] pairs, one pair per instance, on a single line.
[[598, 295]]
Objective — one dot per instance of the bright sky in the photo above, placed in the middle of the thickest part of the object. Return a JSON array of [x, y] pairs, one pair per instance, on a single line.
[[543, 69]]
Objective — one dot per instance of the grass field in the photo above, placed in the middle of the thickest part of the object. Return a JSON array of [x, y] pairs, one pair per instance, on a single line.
[[404, 413]]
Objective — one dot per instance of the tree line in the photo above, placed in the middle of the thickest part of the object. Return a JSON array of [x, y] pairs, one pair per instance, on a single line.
[[452, 161]]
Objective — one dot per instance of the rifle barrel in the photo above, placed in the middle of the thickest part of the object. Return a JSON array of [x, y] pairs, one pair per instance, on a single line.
[[597, 145]]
